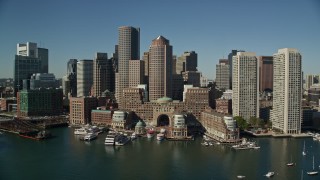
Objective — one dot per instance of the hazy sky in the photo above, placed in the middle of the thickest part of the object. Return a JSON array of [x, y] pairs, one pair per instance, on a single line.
[[79, 28]]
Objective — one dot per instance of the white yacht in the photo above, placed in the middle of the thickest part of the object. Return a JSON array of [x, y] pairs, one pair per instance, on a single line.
[[133, 136], [160, 136], [80, 131], [110, 139], [90, 136], [94, 129], [241, 177], [269, 174]]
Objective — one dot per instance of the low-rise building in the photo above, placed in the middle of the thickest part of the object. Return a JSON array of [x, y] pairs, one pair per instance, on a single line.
[[39, 102], [5, 102], [119, 120], [80, 109], [224, 106], [220, 127], [140, 128], [101, 117], [178, 129]]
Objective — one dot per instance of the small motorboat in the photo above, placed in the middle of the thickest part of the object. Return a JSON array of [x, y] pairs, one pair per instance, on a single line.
[[241, 177], [269, 174]]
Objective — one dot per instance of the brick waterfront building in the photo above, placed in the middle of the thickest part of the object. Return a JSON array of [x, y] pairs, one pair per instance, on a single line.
[[219, 126]]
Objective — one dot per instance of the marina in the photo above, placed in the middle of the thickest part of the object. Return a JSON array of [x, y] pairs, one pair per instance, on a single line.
[[75, 159]]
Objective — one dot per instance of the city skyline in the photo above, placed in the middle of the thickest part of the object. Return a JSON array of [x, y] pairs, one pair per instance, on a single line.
[[211, 29]]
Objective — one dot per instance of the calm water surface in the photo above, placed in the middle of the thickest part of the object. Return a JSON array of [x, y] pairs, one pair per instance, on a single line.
[[66, 157]]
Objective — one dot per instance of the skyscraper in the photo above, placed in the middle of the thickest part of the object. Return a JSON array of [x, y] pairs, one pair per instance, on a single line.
[[102, 74], [128, 49], [245, 101], [136, 73], [29, 60], [72, 77], [230, 55], [222, 74], [265, 73], [145, 59], [188, 61], [287, 86], [160, 69], [84, 77], [43, 55]]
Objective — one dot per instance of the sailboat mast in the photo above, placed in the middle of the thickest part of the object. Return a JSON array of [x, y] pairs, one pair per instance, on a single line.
[[313, 163]]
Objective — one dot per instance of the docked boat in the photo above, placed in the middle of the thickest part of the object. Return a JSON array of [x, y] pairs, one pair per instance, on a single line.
[[80, 131], [121, 140], [205, 143], [241, 177], [110, 139], [150, 133], [133, 136], [160, 136], [162, 130], [269, 174], [94, 129], [313, 172], [90, 136]]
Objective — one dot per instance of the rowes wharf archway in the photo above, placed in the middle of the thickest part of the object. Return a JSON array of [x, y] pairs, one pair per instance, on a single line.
[[163, 120]]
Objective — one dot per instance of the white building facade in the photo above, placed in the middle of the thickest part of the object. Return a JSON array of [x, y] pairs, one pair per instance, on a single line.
[[245, 85], [287, 87]]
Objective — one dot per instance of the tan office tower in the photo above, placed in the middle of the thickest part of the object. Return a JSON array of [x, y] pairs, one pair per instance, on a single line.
[[102, 72], [265, 73], [160, 69], [222, 74], [287, 86], [128, 49], [245, 96], [136, 73]]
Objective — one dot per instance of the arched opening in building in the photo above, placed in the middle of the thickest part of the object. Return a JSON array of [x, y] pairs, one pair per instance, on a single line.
[[163, 120]]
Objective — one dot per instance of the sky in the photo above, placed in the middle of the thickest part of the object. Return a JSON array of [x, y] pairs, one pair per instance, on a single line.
[[80, 28]]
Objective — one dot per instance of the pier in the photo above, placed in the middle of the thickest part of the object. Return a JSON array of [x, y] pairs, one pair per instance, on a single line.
[[33, 128]]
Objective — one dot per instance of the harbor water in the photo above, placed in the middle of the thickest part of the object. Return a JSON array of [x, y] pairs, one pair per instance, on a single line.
[[66, 157]]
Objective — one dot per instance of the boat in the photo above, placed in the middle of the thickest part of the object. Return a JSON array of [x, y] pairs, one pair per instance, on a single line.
[[162, 130], [90, 136], [133, 136], [121, 140], [210, 143], [205, 143], [241, 177], [290, 163], [304, 149], [160, 136], [269, 174], [246, 145], [150, 133], [110, 138], [94, 129], [313, 172], [80, 131], [206, 138]]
